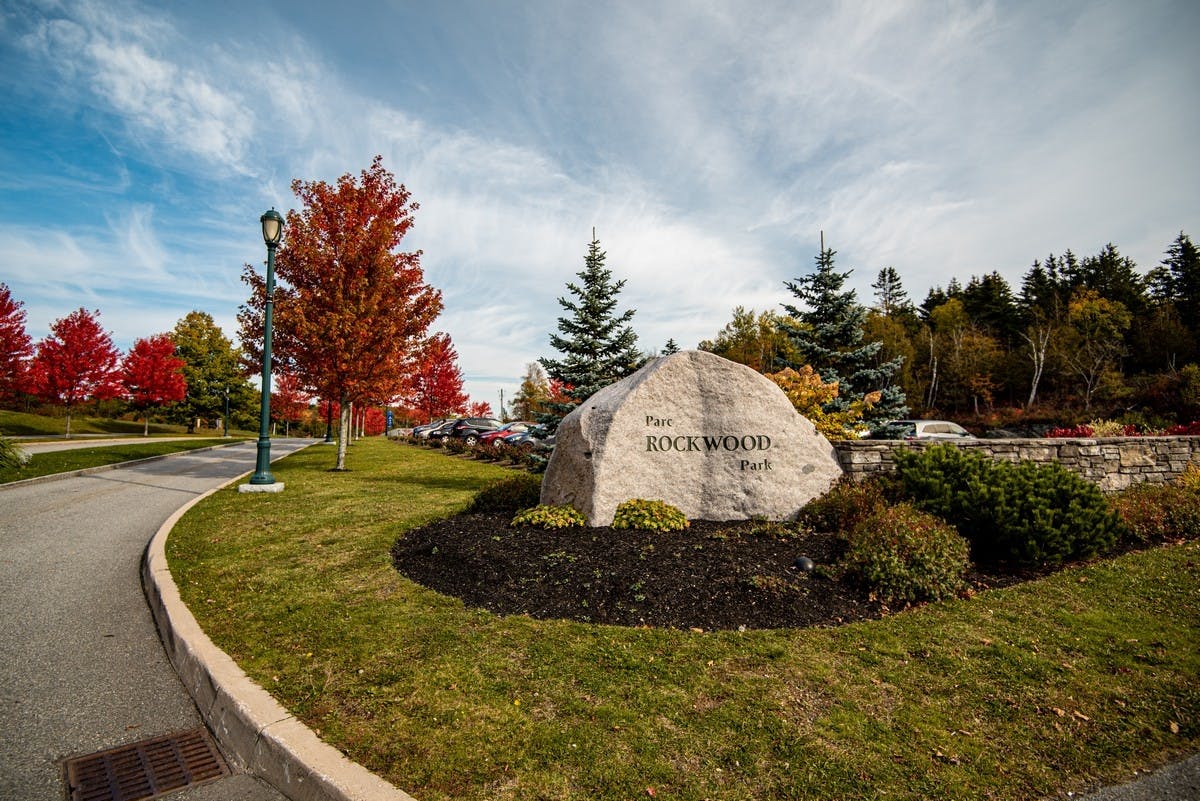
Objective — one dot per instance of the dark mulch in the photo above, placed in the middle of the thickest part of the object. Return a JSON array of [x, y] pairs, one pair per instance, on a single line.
[[711, 576]]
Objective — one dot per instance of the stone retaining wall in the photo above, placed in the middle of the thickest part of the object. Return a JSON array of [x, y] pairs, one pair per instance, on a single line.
[[1113, 463]]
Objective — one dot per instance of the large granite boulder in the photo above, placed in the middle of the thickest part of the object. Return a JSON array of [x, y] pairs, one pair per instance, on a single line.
[[711, 436]]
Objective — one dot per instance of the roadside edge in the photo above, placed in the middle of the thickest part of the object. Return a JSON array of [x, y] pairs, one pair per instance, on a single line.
[[253, 729]]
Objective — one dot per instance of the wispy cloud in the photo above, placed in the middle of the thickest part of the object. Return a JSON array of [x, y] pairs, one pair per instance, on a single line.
[[708, 143]]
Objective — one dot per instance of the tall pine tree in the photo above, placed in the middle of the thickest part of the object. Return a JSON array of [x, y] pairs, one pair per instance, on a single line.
[[830, 338], [598, 344]]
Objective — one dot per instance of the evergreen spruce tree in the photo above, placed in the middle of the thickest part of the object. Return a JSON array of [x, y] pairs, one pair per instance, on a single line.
[[890, 293], [671, 347], [829, 337], [598, 345]]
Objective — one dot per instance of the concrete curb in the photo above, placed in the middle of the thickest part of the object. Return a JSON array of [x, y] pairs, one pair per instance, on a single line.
[[253, 729], [87, 471]]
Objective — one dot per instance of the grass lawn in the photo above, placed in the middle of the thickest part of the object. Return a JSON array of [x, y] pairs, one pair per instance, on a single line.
[[44, 464], [1020, 693], [22, 424]]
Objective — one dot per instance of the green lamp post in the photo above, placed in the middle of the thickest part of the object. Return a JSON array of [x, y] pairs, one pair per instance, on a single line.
[[272, 231]]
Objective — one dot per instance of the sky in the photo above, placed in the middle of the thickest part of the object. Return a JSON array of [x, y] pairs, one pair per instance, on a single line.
[[707, 144]]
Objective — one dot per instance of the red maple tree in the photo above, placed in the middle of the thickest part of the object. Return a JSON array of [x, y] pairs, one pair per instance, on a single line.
[[15, 346], [435, 387], [479, 409], [352, 309], [153, 375], [289, 401], [76, 363]]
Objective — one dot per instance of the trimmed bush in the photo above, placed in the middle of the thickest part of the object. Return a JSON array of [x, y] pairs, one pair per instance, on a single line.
[[1157, 513], [902, 554], [649, 516], [1023, 515], [847, 503], [544, 516], [508, 495]]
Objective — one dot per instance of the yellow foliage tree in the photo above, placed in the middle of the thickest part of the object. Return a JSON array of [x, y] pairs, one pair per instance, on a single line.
[[809, 394]]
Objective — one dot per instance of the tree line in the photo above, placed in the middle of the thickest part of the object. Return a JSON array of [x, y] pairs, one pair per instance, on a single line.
[[1080, 339]]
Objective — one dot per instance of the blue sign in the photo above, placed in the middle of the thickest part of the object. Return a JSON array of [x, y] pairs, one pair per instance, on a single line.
[[389, 419]]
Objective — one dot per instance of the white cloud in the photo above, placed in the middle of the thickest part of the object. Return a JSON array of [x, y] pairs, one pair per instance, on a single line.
[[707, 143]]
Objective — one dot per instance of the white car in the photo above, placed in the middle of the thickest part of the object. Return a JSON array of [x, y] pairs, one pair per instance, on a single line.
[[925, 429]]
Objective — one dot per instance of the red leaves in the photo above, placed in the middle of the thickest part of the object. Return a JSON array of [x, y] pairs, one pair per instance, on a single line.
[[349, 310], [435, 385], [15, 345], [77, 362], [152, 374], [289, 401]]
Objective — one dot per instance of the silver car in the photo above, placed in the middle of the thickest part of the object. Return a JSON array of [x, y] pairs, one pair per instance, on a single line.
[[927, 429]]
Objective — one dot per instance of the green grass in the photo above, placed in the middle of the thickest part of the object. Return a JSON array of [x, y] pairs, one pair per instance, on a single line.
[[23, 424], [1019, 693], [44, 464]]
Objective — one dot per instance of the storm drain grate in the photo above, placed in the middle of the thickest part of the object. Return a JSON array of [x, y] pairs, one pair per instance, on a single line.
[[147, 769]]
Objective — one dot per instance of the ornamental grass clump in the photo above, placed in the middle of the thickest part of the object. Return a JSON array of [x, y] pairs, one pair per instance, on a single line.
[[508, 495], [903, 555], [548, 516], [648, 515], [1019, 515], [12, 456]]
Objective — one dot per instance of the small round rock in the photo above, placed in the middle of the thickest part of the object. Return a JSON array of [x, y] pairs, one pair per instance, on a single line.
[[803, 564]]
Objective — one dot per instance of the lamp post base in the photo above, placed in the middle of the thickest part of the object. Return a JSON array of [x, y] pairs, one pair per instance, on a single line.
[[276, 487]]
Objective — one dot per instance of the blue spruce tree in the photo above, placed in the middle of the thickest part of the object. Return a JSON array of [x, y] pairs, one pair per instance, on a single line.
[[828, 335], [598, 345]]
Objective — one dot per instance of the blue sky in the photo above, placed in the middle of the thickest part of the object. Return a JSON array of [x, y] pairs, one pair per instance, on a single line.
[[707, 143]]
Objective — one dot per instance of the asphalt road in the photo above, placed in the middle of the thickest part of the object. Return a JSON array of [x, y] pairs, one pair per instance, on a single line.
[[81, 665]]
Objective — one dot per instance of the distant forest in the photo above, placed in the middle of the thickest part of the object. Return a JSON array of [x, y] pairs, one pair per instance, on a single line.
[[1081, 339]]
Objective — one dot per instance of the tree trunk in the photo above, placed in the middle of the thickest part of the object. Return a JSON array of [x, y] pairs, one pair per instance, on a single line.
[[343, 435], [68, 434], [146, 428]]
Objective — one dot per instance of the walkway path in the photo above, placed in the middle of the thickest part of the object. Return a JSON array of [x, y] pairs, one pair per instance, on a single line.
[[81, 665]]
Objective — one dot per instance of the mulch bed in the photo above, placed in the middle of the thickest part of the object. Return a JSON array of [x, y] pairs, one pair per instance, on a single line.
[[711, 576]]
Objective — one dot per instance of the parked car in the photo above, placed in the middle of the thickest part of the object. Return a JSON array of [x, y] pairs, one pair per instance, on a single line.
[[921, 430], [468, 429], [424, 431], [534, 439], [497, 437]]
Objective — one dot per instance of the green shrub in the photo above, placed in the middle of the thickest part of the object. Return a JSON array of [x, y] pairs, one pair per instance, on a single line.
[[1023, 515], [508, 495], [544, 516], [455, 445], [1157, 513], [649, 516], [847, 503], [11, 455], [902, 554]]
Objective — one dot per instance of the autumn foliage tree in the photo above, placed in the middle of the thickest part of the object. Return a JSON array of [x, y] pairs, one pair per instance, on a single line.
[[352, 309], [152, 375], [289, 401], [15, 345], [435, 387], [76, 363]]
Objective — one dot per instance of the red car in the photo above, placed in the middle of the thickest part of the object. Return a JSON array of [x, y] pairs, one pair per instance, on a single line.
[[497, 437]]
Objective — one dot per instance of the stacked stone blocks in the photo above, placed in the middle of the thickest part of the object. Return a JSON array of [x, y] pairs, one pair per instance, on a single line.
[[1112, 463]]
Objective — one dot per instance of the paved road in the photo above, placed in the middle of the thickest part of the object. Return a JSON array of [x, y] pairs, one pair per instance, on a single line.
[[81, 665]]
